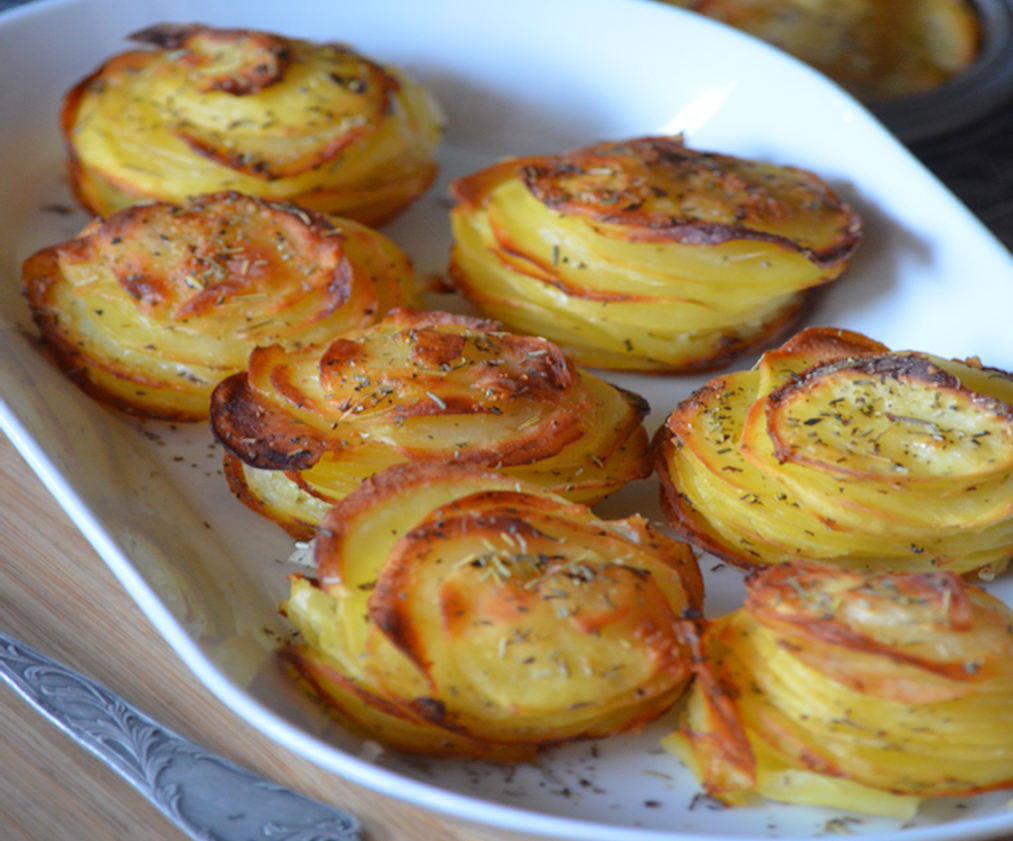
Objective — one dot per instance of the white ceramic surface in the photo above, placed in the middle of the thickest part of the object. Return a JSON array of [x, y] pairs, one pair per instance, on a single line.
[[514, 77]]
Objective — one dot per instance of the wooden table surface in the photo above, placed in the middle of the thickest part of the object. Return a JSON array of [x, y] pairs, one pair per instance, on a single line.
[[58, 595]]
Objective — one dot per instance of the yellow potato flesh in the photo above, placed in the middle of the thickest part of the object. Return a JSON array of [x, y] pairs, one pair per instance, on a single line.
[[751, 513], [887, 469], [572, 473], [368, 714], [813, 692], [280, 497], [531, 667], [303, 499], [900, 431], [216, 277], [130, 135], [729, 278], [592, 465], [559, 626], [366, 410], [645, 335], [388, 398], [934, 748], [929, 633], [645, 254], [429, 387], [777, 780], [907, 453], [374, 537], [279, 308]]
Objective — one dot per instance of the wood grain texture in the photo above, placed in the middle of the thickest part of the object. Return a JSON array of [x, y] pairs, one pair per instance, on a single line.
[[58, 595]]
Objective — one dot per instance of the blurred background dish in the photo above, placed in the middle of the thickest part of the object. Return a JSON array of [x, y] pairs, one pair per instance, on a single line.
[[877, 51], [924, 67], [980, 89]]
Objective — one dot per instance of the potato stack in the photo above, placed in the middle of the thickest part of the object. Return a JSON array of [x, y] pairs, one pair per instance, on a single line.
[[836, 449], [456, 611], [149, 309], [200, 109], [303, 427], [646, 254], [863, 691]]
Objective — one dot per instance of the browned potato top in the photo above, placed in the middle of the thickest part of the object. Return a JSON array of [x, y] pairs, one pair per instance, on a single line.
[[835, 448], [658, 189], [201, 109], [860, 690], [645, 254], [152, 307], [428, 385], [459, 611]]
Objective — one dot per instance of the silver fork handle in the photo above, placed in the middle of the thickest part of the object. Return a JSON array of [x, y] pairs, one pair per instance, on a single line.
[[205, 795]]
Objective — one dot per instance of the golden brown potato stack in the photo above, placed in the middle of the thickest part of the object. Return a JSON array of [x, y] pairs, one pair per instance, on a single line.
[[457, 611], [834, 448], [151, 308], [202, 110], [302, 428], [863, 691], [646, 254]]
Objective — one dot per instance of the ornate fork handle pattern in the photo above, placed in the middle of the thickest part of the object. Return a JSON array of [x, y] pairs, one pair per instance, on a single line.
[[205, 795]]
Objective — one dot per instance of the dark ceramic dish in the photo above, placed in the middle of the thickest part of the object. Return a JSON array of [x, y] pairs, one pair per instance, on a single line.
[[979, 90]]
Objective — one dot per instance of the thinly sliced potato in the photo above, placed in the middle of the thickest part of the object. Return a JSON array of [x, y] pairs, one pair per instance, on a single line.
[[303, 428], [870, 691], [645, 254], [151, 308], [203, 110], [457, 610], [836, 449]]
